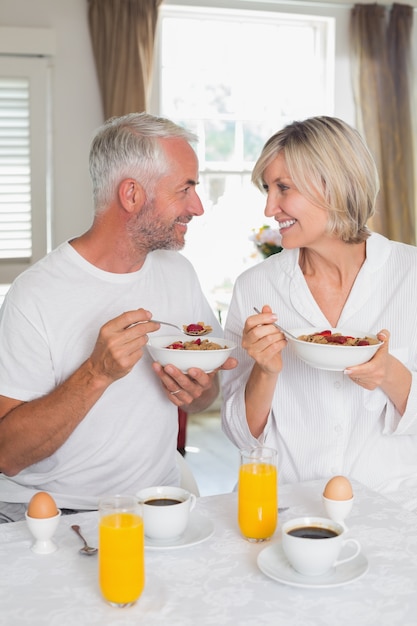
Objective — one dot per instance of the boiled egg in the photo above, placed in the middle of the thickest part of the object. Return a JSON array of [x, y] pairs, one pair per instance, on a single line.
[[42, 505], [338, 488]]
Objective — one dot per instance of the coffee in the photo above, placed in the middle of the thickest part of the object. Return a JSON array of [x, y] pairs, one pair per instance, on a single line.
[[166, 511], [313, 558], [312, 532], [163, 501]]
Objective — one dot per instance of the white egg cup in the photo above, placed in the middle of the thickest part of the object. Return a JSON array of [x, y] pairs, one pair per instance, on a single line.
[[338, 510], [43, 529]]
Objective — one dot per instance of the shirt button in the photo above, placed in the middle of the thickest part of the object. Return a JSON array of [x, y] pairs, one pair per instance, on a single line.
[[337, 385]]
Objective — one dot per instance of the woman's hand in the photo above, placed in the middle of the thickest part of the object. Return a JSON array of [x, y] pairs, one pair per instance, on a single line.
[[263, 341], [372, 374], [386, 372]]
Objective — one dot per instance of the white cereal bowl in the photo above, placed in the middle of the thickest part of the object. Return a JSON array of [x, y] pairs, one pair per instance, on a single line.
[[332, 357], [207, 360]]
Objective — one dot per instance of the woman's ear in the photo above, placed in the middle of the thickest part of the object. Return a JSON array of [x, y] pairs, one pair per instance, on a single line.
[[131, 195]]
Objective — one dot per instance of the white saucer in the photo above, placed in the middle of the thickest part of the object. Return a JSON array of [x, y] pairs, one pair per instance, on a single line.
[[273, 563], [199, 529]]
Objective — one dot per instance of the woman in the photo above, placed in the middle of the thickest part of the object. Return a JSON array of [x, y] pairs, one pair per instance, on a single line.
[[321, 184]]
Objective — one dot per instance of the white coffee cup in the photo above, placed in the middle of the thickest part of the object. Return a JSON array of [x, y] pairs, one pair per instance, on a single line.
[[307, 552], [166, 511]]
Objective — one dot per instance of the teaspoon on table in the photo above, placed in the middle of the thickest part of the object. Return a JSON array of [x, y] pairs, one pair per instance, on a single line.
[[286, 332], [86, 549]]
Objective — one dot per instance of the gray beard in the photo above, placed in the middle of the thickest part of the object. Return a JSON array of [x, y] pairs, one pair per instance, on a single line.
[[149, 234]]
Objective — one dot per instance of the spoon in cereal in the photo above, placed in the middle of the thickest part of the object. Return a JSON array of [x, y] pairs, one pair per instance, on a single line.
[[286, 332]]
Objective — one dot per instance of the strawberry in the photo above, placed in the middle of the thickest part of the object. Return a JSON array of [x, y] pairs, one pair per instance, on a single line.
[[178, 345], [194, 328], [337, 339]]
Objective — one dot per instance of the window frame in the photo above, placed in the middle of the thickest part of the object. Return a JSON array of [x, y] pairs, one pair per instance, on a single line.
[[344, 104]]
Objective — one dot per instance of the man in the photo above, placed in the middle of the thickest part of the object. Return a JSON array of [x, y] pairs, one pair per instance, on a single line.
[[83, 410]]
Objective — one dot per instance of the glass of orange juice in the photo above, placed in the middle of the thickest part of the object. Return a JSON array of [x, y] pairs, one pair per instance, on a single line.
[[121, 553], [258, 493]]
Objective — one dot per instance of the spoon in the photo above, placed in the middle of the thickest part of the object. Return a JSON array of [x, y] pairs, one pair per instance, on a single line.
[[286, 332], [86, 549], [195, 332]]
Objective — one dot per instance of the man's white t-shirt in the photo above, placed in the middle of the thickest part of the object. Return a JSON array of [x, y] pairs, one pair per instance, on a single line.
[[49, 324]]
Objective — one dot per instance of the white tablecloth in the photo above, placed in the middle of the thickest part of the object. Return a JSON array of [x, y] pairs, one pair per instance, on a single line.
[[217, 582]]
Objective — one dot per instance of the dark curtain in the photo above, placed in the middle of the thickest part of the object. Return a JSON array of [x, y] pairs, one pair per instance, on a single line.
[[122, 35], [381, 64]]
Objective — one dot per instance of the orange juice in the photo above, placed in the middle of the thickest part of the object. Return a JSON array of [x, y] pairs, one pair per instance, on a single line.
[[121, 557], [257, 500]]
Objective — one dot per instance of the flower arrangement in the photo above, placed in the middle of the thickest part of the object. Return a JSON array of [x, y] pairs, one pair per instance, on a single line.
[[267, 240]]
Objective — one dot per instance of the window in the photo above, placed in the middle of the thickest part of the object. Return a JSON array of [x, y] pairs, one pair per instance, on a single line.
[[24, 150], [15, 174], [23, 202], [234, 77]]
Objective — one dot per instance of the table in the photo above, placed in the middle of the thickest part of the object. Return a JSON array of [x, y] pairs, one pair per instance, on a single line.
[[217, 582]]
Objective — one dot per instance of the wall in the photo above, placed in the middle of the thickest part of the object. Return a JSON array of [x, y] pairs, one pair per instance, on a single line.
[[76, 103]]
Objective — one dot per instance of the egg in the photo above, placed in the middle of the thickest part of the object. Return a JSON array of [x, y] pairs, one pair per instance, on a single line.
[[42, 505], [338, 488]]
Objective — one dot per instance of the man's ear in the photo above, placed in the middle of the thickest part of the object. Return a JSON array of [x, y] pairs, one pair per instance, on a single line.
[[131, 195]]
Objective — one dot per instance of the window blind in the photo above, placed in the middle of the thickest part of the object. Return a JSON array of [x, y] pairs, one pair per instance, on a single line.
[[15, 182]]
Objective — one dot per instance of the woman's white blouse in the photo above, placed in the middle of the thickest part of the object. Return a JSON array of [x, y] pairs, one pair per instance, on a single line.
[[321, 422]]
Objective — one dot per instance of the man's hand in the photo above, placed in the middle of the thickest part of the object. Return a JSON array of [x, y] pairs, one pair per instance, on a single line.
[[196, 389], [120, 344]]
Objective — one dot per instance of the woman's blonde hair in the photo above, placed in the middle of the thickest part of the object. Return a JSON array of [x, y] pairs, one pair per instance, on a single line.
[[330, 164]]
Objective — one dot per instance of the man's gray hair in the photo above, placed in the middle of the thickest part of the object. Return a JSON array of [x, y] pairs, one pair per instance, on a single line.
[[129, 147]]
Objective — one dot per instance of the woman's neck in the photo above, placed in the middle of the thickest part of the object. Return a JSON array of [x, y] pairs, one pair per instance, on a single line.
[[330, 276]]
